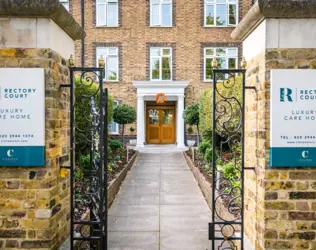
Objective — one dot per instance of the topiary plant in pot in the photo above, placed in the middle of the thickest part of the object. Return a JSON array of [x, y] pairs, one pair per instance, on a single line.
[[124, 114], [132, 142]]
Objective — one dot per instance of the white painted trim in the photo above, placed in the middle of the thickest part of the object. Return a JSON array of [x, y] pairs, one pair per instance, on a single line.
[[160, 84]]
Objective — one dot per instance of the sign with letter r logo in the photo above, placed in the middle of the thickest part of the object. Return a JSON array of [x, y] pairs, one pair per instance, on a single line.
[[286, 93]]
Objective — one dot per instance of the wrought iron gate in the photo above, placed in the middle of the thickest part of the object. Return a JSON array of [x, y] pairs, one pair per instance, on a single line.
[[226, 231], [88, 138]]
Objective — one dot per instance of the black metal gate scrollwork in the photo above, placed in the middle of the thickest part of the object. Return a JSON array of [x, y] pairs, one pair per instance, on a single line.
[[226, 231], [88, 202]]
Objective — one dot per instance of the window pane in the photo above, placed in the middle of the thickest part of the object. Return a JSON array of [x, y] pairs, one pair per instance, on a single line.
[[100, 52], [155, 20], [155, 52], [210, 15], [208, 69], [153, 116], [112, 14], [209, 52], [112, 51], [220, 1], [113, 127], [101, 14], [155, 66], [111, 68], [166, 68], [155, 1], [221, 15], [166, 15], [232, 63], [220, 52], [166, 52], [232, 14], [221, 63], [232, 52], [167, 116]]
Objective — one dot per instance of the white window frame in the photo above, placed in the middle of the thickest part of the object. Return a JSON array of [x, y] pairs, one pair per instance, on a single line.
[[162, 2], [212, 56], [117, 126], [98, 3], [227, 4], [106, 56], [66, 4], [160, 63]]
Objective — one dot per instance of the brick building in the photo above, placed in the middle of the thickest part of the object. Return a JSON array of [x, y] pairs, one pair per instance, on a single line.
[[158, 46]]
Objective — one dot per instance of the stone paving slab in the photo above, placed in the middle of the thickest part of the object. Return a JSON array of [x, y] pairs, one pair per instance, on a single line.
[[134, 210], [132, 223], [159, 206], [184, 240], [133, 240]]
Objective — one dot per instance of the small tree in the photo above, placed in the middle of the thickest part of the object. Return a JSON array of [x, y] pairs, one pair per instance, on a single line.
[[124, 114], [191, 116]]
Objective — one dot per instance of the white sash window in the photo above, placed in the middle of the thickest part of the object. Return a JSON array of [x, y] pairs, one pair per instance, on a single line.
[[111, 58], [107, 13], [161, 13], [227, 58], [220, 13]]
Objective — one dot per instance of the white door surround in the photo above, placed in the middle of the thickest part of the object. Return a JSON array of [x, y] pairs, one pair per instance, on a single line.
[[147, 91]]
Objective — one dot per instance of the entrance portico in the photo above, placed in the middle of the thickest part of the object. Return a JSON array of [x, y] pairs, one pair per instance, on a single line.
[[147, 91]]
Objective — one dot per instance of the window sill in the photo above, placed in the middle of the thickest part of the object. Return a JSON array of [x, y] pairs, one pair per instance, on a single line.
[[210, 26], [158, 80], [114, 133], [101, 26], [161, 26]]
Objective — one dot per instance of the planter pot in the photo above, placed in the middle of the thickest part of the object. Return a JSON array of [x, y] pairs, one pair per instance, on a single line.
[[133, 142], [190, 143]]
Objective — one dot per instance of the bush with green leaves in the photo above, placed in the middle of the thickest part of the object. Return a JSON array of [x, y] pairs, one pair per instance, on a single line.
[[190, 130], [124, 114], [191, 116], [231, 172], [208, 155], [115, 145], [82, 113], [204, 146]]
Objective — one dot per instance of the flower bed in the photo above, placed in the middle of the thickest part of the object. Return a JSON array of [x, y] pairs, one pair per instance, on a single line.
[[116, 165]]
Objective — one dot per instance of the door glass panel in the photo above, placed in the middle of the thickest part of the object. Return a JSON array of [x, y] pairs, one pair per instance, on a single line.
[[153, 116], [167, 116]]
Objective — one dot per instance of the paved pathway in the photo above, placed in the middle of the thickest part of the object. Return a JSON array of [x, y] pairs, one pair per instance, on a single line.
[[159, 206]]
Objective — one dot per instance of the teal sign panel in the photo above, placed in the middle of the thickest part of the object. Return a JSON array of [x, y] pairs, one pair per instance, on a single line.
[[29, 156], [293, 157]]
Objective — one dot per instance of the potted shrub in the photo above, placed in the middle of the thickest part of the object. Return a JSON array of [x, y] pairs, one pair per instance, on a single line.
[[132, 142], [124, 114], [191, 116], [190, 143]]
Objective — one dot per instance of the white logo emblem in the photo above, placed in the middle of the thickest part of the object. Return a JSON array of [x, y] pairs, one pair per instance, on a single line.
[[10, 152], [305, 154]]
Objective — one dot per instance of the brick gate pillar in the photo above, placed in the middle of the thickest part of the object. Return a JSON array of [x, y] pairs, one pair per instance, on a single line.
[[34, 200], [279, 201]]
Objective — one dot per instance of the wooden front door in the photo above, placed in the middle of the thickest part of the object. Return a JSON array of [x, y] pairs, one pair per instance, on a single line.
[[160, 125]]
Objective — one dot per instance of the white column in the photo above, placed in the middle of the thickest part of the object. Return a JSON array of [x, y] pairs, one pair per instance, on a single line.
[[140, 121], [180, 122]]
